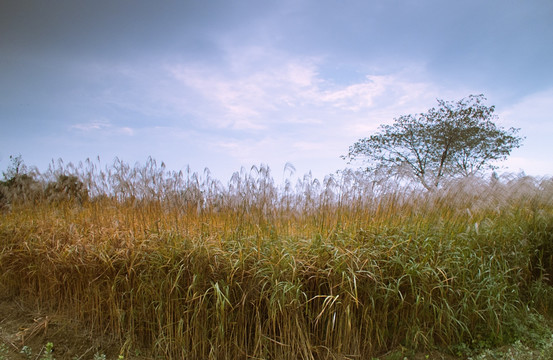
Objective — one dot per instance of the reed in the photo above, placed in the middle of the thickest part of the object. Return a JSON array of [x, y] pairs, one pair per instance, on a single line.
[[353, 266]]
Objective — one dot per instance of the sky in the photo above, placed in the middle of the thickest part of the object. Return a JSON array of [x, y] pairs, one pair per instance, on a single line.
[[224, 84]]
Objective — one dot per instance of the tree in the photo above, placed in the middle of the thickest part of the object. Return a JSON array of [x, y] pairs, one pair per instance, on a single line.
[[16, 168], [19, 183], [455, 139]]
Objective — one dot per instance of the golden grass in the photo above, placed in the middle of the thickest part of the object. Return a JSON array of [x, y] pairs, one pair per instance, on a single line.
[[189, 268]]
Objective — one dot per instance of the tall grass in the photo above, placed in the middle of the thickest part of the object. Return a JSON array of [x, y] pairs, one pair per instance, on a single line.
[[353, 266]]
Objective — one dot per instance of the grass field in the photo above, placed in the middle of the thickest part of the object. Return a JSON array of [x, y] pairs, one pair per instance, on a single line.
[[353, 267]]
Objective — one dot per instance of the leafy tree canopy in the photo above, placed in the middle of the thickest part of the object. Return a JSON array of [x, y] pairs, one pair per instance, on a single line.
[[454, 139]]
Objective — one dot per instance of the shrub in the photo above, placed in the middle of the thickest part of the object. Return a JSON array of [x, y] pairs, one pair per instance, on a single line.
[[66, 188]]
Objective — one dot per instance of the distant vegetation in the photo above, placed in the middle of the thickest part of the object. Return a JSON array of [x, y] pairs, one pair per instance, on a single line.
[[351, 266]]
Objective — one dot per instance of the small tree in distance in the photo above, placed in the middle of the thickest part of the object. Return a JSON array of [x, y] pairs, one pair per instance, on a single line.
[[455, 139]]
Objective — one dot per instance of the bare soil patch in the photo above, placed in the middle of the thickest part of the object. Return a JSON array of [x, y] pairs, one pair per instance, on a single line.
[[27, 324]]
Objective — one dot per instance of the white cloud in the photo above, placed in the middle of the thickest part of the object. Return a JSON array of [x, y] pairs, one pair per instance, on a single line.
[[241, 97], [533, 115], [532, 112], [126, 131], [92, 126], [259, 87], [353, 97], [103, 127]]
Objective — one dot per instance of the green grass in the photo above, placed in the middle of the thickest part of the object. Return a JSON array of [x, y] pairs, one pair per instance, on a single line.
[[187, 267]]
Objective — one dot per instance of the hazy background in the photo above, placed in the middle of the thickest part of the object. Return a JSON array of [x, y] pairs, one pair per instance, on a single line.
[[225, 84]]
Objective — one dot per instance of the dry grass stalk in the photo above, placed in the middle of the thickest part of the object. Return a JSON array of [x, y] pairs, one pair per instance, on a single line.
[[351, 266]]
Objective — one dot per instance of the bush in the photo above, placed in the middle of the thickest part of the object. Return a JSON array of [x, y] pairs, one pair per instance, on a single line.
[[21, 188], [19, 185], [66, 188]]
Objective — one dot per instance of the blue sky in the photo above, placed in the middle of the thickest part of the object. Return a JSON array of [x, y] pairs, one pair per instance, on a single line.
[[226, 84]]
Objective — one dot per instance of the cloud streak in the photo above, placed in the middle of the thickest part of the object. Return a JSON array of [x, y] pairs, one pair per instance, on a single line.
[[102, 127], [288, 89]]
